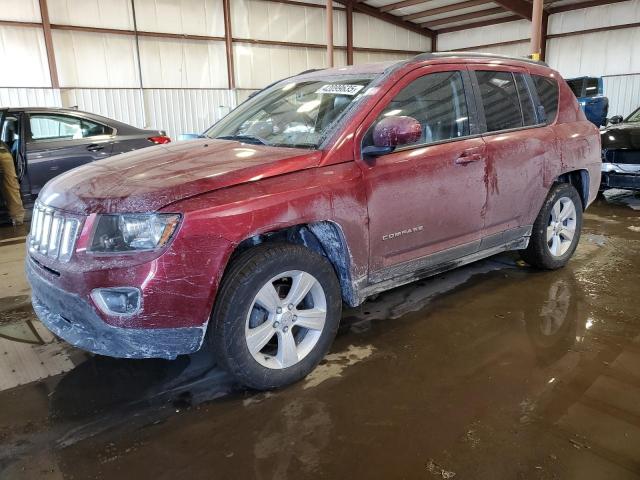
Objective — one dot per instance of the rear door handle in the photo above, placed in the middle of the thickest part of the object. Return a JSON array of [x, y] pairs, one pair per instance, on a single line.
[[94, 147], [469, 157]]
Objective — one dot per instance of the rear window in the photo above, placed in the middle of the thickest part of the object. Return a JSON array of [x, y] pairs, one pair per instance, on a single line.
[[547, 89], [576, 86], [591, 89]]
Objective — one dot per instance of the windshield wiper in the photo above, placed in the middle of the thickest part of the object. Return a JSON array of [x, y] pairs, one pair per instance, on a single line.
[[244, 138]]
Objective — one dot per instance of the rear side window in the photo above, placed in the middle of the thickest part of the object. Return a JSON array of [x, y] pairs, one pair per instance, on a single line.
[[547, 89], [500, 100], [437, 101], [526, 102]]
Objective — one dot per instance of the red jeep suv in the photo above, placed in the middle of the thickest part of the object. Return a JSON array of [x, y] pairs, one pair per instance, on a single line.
[[324, 188]]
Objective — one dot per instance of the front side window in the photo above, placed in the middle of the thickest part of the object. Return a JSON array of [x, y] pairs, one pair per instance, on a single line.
[[499, 96], [437, 101], [547, 89], [50, 127], [291, 115]]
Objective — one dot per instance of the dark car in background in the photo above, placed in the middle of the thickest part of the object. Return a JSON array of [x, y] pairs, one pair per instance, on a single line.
[[621, 153], [46, 142], [590, 94]]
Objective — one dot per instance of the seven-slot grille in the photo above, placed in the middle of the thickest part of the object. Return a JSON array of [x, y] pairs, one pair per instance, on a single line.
[[52, 233]]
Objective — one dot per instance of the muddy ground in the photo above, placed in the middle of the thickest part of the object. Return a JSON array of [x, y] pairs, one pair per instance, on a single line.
[[493, 371]]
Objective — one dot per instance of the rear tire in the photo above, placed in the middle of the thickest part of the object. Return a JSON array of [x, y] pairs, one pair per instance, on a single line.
[[556, 231], [276, 315]]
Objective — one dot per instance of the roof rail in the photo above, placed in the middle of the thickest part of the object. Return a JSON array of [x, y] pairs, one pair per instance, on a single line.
[[454, 54]]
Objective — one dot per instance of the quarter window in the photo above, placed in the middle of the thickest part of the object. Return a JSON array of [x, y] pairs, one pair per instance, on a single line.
[[50, 127], [500, 100], [547, 89], [437, 102]]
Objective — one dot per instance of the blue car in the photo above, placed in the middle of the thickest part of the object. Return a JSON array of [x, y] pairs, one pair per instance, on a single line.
[[590, 94]]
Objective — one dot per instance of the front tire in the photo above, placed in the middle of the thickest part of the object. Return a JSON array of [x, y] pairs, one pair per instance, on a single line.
[[276, 315], [557, 228]]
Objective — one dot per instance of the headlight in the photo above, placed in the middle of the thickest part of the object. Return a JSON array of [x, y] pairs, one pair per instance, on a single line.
[[133, 232]]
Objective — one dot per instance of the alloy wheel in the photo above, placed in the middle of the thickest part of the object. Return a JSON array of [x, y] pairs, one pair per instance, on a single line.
[[561, 227], [286, 319]]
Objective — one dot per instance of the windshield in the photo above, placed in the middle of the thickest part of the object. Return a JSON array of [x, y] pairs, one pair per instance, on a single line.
[[291, 114], [634, 117]]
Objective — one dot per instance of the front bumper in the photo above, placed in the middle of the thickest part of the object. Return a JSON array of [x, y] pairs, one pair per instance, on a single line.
[[73, 319]]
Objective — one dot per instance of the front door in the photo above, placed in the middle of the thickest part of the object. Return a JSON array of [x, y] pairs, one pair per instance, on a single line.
[[426, 199]]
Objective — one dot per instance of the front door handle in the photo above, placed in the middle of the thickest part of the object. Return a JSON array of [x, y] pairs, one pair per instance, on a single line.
[[469, 157], [94, 147]]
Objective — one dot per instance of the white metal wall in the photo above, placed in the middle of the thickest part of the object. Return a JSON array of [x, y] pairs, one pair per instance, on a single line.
[[125, 104], [256, 19], [29, 97], [23, 49], [370, 32], [185, 81], [623, 92], [505, 32], [614, 54]]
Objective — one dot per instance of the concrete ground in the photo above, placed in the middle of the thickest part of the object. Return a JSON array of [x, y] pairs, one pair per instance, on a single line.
[[493, 371]]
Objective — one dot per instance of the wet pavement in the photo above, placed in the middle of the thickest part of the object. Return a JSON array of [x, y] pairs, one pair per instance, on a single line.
[[490, 371]]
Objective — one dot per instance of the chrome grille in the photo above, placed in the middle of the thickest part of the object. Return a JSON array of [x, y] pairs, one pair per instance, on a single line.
[[53, 233]]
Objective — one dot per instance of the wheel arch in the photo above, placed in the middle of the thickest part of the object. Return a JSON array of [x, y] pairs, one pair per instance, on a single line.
[[323, 237], [580, 180]]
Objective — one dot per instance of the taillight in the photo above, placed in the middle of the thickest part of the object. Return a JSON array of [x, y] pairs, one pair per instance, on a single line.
[[159, 139]]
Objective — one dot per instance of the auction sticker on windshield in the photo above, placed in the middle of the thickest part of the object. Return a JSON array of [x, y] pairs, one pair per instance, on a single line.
[[340, 89]]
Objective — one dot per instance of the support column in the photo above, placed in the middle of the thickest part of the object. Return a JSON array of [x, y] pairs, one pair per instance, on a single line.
[[543, 37], [143, 105], [228, 42], [48, 42], [536, 29], [349, 34], [330, 33]]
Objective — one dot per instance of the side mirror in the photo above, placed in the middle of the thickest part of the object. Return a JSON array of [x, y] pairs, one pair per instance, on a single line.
[[396, 131], [616, 119]]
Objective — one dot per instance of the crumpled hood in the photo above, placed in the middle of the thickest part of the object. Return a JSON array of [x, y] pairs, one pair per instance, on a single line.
[[151, 178]]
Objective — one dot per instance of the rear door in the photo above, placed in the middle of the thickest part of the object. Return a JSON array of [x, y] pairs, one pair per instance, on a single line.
[[425, 199], [519, 145], [58, 142]]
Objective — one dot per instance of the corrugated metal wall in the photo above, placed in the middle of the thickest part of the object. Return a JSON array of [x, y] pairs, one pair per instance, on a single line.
[[185, 80], [623, 92], [614, 53], [29, 97], [186, 111], [125, 105]]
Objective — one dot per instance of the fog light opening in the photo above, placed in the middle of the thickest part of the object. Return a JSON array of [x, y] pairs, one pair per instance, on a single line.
[[118, 300]]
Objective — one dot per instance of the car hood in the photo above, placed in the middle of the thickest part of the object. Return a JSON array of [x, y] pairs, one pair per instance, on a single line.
[[151, 178], [624, 135]]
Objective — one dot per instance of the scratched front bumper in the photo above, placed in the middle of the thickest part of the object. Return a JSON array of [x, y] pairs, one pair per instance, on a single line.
[[74, 320]]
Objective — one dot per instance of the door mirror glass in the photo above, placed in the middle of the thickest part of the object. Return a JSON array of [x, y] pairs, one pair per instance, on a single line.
[[615, 119], [396, 131]]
